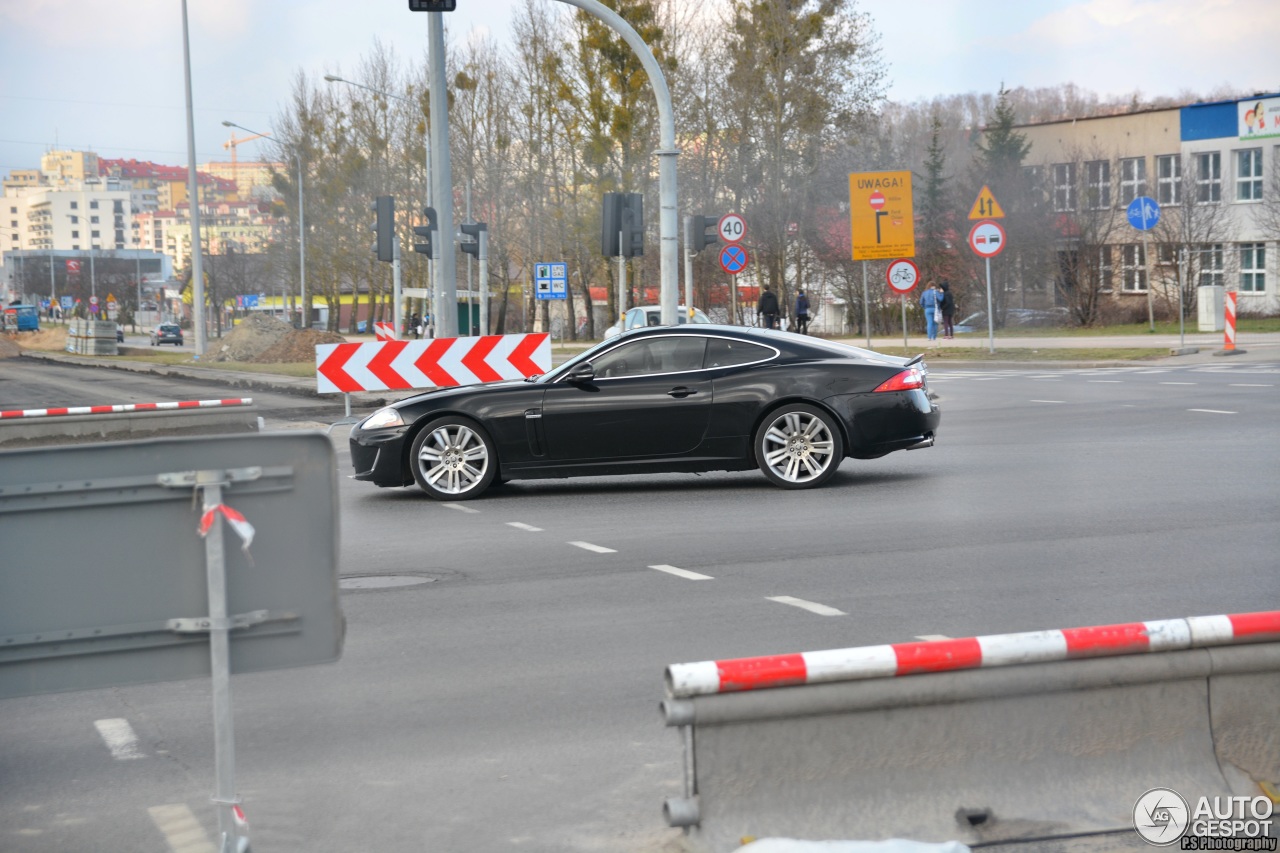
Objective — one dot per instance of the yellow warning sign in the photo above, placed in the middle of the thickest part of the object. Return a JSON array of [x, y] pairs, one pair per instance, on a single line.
[[986, 207], [880, 216]]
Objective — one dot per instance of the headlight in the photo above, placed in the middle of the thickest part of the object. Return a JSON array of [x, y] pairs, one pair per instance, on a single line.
[[388, 417]]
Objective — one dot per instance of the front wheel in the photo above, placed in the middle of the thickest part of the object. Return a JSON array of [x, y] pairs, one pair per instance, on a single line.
[[453, 460], [798, 446]]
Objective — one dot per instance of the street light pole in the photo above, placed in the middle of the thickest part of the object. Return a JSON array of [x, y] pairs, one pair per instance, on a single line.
[[193, 193]]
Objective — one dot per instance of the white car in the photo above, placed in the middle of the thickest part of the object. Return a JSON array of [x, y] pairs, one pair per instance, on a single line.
[[651, 315]]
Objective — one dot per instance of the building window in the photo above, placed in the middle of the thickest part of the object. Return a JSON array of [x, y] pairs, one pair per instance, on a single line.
[[1210, 265], [1209, 177], [93, 219], [1105, 271], [1133, 179], [1098, 184], [1169, 179], [1064, 186], [1166, 253], [1253, 267], [75, 235], [119, 207], [1133, 268], [1249, 175], [94, 234], [75, 220], [75, 205], [93, 205], [13, 224]]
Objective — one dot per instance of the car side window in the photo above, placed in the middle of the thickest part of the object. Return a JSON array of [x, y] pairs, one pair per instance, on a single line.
[[651, 356], [726, 353]]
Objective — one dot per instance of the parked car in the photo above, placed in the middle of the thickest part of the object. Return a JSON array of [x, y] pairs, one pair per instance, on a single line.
[[643, 316], [166, 333], [687, 398], [1026, 317]]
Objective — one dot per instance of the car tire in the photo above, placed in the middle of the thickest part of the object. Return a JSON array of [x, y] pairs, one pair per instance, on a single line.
[[798, 446], [452, 459]]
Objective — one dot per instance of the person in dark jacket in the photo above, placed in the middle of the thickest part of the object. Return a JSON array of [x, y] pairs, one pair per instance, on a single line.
[[767, 308], [802, 313], [948, 306]]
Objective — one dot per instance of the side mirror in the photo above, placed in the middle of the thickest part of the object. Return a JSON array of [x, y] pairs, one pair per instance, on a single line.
[[582, 373]]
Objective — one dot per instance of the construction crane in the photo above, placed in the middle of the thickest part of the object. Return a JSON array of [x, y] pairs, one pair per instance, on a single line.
[[231, 144]]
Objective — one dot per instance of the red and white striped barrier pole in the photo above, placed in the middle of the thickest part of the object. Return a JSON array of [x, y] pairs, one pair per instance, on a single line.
[[123, 408], [385, 331], [888, 661], [1229, 326]]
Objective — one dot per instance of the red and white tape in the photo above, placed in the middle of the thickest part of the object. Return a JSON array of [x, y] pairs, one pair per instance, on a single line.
[[124, 407], [887, 661]]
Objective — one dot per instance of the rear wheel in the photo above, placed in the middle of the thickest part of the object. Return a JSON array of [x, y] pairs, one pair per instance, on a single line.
[[453, 460], [798, 446]]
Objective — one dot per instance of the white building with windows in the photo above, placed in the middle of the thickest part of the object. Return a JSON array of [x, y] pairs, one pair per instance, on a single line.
[[1214, 170]]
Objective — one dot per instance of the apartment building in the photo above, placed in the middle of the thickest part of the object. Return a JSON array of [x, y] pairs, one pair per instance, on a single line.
[[1214, 170]]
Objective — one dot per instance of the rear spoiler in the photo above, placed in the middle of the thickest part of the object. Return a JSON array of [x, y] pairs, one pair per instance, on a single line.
[[915, 360]]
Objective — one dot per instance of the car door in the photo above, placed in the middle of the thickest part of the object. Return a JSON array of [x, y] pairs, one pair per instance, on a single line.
[[650, 398]]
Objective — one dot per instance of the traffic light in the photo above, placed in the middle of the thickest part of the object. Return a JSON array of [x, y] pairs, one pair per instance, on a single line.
[[384, 207], [633, 225], [696, 235], [622, 215], [424, 231], [472, 230], [432, 5]]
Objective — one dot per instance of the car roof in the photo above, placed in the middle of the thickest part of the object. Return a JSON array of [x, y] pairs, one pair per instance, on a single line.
[[790, 343]]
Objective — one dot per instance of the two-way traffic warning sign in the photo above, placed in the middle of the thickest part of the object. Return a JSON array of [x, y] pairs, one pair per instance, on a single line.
[[986, 206]]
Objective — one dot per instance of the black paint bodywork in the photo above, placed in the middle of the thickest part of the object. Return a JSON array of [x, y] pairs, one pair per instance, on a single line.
[[687, 421]]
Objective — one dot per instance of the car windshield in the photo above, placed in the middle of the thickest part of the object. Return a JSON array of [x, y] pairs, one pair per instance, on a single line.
[[169, 329], [585, 355]]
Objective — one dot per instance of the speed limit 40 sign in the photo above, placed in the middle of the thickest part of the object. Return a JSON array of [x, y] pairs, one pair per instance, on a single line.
[[732, 228]]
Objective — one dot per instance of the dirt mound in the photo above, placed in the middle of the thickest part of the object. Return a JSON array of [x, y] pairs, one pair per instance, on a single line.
[[260, 339], [49, 339], [9, 349]]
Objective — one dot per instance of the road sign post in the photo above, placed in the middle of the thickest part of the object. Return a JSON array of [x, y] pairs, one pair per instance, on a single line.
[[987, 239], [902, 275], [1144, 213]]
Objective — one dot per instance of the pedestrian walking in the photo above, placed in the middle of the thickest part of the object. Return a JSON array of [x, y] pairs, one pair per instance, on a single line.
[[931, 302], [767, 308], [415, 325], [948, 307], [802, 312]]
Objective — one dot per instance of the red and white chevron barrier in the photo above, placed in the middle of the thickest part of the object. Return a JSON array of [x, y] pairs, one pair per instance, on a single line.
[[399, 365], [124, 407], [385, 331], [1194, 632]]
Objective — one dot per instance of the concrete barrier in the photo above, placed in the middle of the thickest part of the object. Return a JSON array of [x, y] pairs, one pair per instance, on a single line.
[[91, 337], [1019, 740], [68, 424]]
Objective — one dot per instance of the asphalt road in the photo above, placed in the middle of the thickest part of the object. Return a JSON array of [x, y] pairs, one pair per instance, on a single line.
[[510, 702]]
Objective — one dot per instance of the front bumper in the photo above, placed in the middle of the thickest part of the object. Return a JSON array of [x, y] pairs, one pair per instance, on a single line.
[[378, 456]]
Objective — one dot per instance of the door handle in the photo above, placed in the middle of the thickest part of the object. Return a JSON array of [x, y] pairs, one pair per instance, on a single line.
[[681, 391]]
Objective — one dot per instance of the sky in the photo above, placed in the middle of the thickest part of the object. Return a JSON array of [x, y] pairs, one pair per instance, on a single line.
[[111, 80]]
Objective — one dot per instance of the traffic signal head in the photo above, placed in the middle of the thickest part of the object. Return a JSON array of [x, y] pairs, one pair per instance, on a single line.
[[423, 232], [472, 230], [632, 225], [433, 5], [384, 208], [697, 236], [610, 224]]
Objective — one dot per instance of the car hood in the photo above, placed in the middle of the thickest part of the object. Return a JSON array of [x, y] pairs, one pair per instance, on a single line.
[[446, 393]]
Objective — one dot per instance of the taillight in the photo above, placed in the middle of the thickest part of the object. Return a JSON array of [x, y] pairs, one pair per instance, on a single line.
[[905, 381]]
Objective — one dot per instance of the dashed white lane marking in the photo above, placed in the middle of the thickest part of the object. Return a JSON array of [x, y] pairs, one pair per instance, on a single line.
[[1213, 411], [1105, 381], [811, 606], [181, 829], [460, 507], [1249, 385], [1177, 383], [520, 525], [933, 638], [1048, 401], [683, 573], [120, 739], [587, 546]]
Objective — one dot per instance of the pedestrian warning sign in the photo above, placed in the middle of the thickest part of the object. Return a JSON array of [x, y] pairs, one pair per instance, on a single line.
[[986, 207]]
